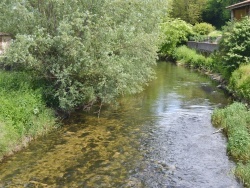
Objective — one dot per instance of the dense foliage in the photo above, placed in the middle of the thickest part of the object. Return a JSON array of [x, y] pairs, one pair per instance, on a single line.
[[203, 28], [188, 10], [174, 32], [215, 12], [240, 82], [86, 51], [23, 114], [234, 47], [190, 58]]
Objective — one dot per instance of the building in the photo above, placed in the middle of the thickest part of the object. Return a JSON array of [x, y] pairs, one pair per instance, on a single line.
[[5, 40], [240, 10]]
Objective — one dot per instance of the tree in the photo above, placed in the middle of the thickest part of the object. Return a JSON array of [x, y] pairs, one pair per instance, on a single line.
[[216, 12], [188, 10], [84, 51]]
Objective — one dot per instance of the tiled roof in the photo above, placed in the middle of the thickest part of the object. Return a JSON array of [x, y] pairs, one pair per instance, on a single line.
[[237, 5]]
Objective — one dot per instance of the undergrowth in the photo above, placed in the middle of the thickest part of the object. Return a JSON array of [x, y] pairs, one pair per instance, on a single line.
[[190, 58], [23, 113]]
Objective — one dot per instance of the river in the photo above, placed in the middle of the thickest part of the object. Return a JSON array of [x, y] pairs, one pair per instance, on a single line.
[[162, 137]]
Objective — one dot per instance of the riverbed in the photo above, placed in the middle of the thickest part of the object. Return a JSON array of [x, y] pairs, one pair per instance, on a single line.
[[162, 137]]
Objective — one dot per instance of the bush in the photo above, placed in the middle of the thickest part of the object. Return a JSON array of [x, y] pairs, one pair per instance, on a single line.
[[191, 58], [203, 28], [234, 46], [215, 33], [174, 32], [240, 82], [23, 114]]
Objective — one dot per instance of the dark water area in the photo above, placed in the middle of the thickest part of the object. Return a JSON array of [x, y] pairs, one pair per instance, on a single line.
[[162, 137]]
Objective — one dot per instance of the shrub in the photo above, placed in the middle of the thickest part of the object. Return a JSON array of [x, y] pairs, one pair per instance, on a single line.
[[234, 46], [203, 28], [240, 82], [191, 58], [23, 114], [174, 32]]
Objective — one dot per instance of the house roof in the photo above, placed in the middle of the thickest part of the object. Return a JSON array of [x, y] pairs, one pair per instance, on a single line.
[[4, 34], [238, 5]]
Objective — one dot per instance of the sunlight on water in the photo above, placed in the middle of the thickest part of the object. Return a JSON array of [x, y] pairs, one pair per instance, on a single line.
[[158, 138]]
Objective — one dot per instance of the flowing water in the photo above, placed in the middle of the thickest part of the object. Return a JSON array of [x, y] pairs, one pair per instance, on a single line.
[[162, 137]]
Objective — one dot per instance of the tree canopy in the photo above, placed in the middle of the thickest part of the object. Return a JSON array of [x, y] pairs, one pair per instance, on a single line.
[[188, 10], [216, 12], [83, 51]]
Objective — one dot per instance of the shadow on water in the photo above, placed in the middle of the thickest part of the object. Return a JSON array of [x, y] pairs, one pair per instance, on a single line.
[[161, 137]]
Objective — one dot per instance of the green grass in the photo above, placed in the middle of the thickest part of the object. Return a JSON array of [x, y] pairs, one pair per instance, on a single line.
[[235, 121], [190, 58], [23, 113]]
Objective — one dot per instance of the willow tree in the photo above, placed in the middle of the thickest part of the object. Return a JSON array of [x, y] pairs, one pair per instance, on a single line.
[[84, 51]]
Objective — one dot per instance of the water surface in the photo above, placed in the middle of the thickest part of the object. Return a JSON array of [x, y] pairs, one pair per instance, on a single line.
[[162, 137]]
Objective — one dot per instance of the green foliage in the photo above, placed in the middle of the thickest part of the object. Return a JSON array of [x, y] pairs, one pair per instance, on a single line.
[[188, 10], [240, 82], [214, 12], [203, 28], [215, 33], [23, 113], [173, 33], [235, 119], [86, 51], [191, 58], [234, 46]]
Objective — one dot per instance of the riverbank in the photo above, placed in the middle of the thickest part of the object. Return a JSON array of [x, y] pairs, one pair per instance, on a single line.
[[234, 120], [23, 113], [153, 139]]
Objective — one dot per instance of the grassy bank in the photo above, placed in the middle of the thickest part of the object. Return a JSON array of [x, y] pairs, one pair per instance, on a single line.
[[23, 114], [190, 58], [234, 119]]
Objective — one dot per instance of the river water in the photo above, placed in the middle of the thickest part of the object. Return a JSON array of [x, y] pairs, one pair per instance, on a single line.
[[162, 137]]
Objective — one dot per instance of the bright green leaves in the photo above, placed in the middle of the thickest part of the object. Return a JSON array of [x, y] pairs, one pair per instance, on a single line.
[[173, 33]]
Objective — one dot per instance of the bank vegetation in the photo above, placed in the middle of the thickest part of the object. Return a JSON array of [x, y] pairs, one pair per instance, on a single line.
[[232, 63], [69, 55]]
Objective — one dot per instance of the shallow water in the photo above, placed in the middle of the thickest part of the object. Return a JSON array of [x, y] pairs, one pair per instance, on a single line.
[[162, 137]]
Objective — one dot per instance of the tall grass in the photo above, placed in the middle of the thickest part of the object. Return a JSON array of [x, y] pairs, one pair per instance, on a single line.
[[23, 113], [235, 120], [191, 58]]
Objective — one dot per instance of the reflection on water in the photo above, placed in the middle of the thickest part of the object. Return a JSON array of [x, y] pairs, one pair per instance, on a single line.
[[161, 137]]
